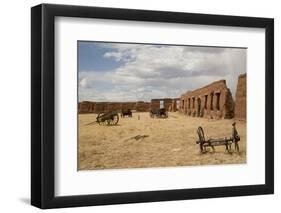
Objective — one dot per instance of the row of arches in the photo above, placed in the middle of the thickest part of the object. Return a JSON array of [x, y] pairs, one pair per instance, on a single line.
[[209, 101]]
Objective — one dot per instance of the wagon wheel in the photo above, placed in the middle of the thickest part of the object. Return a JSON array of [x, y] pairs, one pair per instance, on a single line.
[[236, 146], [201, 136], [99, 118], [113, 120], [228, 147], [235, 139]]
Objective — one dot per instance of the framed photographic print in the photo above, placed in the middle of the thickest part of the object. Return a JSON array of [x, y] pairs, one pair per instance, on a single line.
[[136, 106]]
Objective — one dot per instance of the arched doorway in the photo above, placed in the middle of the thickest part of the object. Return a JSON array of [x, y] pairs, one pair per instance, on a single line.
[[198, 107]]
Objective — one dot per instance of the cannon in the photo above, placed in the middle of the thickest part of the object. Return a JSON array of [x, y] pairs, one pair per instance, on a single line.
[[108, 118], [227, 142], [159, 113], [126, 112]]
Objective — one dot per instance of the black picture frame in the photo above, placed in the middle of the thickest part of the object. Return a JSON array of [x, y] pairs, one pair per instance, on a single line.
[[43, 102]]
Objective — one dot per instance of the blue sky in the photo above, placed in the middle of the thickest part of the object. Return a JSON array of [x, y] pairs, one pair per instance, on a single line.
[[134, 72], [91, 57]]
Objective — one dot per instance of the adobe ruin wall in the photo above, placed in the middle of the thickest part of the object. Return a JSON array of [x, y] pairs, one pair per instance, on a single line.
[[98, 107], [211, 101], [241, 98], [139, 106], [174, 107]]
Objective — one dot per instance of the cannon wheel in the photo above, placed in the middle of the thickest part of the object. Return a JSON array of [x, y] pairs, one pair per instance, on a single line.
[[100, 120], [113, 120]]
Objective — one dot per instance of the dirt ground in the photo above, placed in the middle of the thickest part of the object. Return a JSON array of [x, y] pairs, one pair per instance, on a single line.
[[149, 142]]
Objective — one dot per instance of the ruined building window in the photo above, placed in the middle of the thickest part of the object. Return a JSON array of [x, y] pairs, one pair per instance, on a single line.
[[211, 104], [178, 104], [198, 106], [206, 100], [218, 101], [161, 104], [182, 106], [189, 103], [193, 102]]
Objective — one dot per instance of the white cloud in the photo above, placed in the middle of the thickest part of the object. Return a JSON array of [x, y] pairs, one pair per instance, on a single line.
[[154, 71], [115, 55]]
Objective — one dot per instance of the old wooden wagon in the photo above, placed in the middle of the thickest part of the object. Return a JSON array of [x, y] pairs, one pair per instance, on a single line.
[[159, 113], [126, 112], [227, 142]]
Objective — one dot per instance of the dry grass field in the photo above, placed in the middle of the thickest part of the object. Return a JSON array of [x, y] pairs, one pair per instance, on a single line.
[[149, 142]]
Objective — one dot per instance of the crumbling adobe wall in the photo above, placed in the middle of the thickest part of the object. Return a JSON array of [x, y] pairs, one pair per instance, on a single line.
[[167, 102], [142, 106], [128, 105], [211, 101], [241, 98], [118, 106], [155, 103], [174, 105], [113, 106], [99, 107], [86, 107]]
